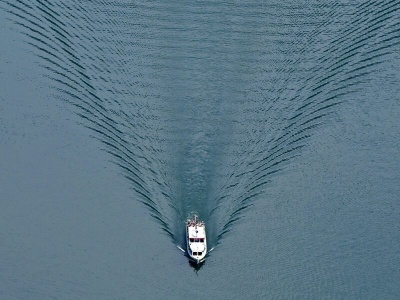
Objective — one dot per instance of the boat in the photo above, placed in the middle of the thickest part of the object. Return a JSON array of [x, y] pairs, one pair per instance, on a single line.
[[196, 241]]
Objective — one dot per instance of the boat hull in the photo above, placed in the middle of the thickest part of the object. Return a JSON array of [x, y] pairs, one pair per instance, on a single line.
[[196, 241]]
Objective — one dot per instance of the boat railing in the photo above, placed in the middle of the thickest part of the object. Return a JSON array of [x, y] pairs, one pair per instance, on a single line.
[[195, 222]]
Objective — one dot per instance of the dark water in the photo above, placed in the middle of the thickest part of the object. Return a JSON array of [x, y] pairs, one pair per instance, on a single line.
[[277, 122]]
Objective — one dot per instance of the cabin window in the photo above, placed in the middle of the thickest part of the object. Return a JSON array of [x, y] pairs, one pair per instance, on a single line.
[[194, 253], [200, 253], [193, 240]]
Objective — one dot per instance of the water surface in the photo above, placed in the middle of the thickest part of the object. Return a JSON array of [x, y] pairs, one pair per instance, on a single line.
[[276, 122]]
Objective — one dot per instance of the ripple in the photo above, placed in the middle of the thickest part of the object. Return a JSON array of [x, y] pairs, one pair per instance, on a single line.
[[338, 67], [90, 69], [200, 106]]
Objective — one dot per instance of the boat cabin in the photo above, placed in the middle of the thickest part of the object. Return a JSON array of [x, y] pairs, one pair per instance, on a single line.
[[196, 240]]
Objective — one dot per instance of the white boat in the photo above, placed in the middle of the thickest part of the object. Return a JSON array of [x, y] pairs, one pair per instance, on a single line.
[[196, 241]]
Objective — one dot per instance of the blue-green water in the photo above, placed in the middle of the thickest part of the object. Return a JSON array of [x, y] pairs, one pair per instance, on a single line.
[[277, 122]]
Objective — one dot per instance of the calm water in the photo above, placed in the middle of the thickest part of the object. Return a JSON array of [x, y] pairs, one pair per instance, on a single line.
[[277, 122]]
